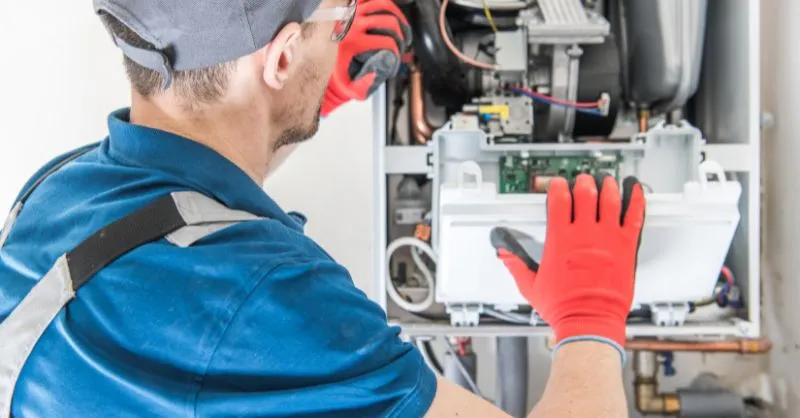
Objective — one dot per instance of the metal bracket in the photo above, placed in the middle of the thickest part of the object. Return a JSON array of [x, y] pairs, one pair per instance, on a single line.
[[564, 22], [746, 328], [574, 53], [400, 159], [536, 320], [670, 314], [465, 315]]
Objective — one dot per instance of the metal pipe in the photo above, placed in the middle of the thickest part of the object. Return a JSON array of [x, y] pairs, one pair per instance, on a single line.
[[421, 129], [454, 372], [512, 375], [574, 53], [644, 119], [649, 401], [462, 367], [647, 397], [745, 346], [707, 397], [675, 117]]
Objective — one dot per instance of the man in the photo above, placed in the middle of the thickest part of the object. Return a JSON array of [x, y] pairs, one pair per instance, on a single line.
[[211, 301]]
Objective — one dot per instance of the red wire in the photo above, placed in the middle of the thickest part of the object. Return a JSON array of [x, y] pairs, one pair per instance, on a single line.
[[462, 345], [728, 274], [559, 101]]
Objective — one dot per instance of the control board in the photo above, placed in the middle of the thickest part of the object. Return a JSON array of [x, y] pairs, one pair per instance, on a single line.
[[525, 174]]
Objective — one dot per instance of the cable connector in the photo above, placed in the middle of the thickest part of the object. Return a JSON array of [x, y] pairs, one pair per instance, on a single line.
[[423, 232], [604, 104]]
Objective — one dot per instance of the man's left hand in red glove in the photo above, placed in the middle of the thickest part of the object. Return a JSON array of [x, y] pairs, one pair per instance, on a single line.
[[370, 53]]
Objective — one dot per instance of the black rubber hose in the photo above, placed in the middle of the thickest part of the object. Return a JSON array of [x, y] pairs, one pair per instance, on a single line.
[[599, 72], [445, 78], [426, 345]]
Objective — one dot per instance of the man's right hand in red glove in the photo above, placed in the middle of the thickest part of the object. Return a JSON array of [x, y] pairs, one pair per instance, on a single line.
[[583, 285]]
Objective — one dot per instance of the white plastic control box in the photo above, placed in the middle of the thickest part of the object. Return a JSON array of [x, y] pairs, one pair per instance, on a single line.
[[693, 226], [684, 242]]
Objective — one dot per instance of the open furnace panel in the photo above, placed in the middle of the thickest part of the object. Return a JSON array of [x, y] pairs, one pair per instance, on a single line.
[[502, 95]]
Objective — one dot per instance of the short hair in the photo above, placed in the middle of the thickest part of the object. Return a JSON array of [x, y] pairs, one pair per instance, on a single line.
[[203, 85]]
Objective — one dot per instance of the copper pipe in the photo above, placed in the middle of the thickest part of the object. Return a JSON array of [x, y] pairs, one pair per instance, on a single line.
[[421, 129], [744, 346], [648, 399], [644, 120]]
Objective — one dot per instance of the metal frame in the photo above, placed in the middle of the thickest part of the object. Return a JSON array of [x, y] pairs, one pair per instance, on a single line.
[[707, 330], [739, 155]]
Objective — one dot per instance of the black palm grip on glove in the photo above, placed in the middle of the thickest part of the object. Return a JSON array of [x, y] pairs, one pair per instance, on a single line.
[[382, 62], [404, 39], [627, 191], [529, 250], [370, 54], [523, 246], [385, 63], [585, 281]]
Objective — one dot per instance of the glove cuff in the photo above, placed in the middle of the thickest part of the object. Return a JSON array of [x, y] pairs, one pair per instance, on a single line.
[[622, 355], [611, 329]]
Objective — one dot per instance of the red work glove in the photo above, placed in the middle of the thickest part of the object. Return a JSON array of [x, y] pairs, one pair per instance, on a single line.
[[583, 286], [370, 53]]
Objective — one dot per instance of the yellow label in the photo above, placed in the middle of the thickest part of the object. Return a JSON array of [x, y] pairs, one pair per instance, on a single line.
[[501, 110]]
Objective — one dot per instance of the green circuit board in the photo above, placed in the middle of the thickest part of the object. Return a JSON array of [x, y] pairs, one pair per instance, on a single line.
[[521, 174]]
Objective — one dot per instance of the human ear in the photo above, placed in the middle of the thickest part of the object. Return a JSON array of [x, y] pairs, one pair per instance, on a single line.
[[280, 55]]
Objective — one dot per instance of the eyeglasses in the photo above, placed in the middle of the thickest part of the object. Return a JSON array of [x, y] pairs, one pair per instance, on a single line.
[[343, 16]]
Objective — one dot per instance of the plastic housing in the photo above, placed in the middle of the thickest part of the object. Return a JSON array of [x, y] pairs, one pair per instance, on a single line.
[[684, 242], [725, 109]]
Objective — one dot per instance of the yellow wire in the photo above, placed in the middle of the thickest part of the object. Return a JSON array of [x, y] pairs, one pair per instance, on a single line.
[[489, 15]]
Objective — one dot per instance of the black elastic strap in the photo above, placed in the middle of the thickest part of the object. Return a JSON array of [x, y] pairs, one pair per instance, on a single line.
[[109, 243]]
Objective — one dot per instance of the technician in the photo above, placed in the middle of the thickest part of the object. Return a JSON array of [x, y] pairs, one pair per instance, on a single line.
[[150, 275]]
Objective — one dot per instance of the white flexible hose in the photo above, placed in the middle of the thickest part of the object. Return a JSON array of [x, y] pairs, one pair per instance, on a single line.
[[427, 276]]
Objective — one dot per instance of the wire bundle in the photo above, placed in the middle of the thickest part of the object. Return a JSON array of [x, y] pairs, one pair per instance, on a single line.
[[591, 108], [724, 296]]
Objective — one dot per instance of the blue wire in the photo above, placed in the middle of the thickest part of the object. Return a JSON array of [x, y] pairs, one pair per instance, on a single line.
[[404, 69], [595, 112], [723, 294]]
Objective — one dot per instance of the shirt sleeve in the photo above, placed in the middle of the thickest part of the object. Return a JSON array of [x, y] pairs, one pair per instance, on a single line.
[[308, 343]]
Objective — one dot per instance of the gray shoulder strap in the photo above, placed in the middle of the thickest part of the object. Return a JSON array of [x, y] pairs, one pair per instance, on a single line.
[[182, 218], [203, 216]]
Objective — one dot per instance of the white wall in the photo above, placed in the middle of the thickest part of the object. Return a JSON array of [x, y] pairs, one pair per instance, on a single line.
[[781, 87], [329, 179], [61, 76]]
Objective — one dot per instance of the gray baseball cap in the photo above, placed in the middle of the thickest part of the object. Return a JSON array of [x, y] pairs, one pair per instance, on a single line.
[[194, 34]]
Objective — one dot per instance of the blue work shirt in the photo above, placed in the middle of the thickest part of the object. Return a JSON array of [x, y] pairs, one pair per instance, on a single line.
[[253, 320]]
